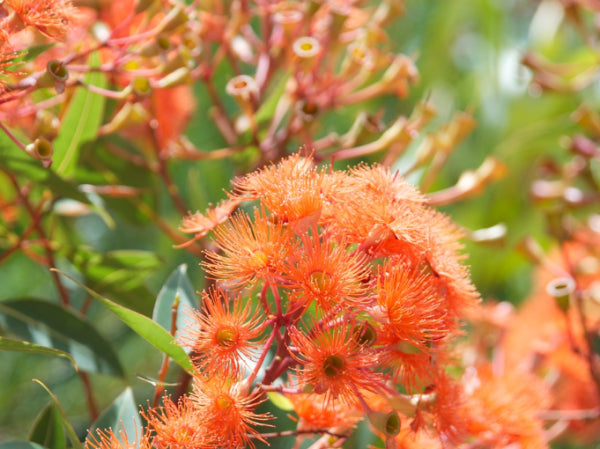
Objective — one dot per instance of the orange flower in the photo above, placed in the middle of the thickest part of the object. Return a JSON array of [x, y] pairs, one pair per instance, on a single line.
[[327, 273], [444, 258], [502, 410], [316, 412], [7, 58], [227, 412], [372, 215], [221, 334], [290, 190], [412, 307], [201, 224], [379, 181], [251, 250], [409, 366], [334, 363], [178, 426], [106, 439], [417, 439], [49, 17]]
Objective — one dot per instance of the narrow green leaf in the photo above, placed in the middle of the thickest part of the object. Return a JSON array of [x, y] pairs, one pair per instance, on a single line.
[[73, 438], [81, 122], [121, 415], [144, 327], [48, 429], [50, 325], [20, 445], [267, 108], [177, 286], [120, 273], [98, 206], [8, 344]]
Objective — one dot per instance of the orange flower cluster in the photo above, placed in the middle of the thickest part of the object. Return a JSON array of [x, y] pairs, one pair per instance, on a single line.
[[565, 308], [360, 284]]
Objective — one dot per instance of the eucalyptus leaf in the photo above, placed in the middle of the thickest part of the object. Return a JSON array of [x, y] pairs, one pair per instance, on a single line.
[[144, 327], [267, 108], [48, 429], [121, 415], [8, 344], [50, 325], [177, 286], [121, 273], [80, 123], [73, 438], [20, 445], [14, 160]]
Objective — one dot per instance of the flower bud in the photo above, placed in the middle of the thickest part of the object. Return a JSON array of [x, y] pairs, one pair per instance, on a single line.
[[339, 14], [307, 110], [561, 289], [494, 235], [364, 129], [56, 75], [173, 20], [358, 56], [130, 114], [242, 49], [401, 71], [244, 90], [47, 124], [175, 78], [387, 423], [161, 44], [365, 334], [306, 51], [143, 5], [141, 86], [289, 20], [42, 150]]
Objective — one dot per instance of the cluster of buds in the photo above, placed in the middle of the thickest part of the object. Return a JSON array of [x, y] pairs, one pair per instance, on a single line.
[[301, 62], [339, 291]]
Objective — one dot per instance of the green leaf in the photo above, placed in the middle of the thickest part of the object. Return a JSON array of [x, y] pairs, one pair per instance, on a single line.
[[267, 108], [121, 415], [48, 429], [20, 445], [8, 344], [280, 401], [17, 162], [177, 286], [121, 273], [144, 327], [50, 325], [81, 122], [73, 438], [33, 52]]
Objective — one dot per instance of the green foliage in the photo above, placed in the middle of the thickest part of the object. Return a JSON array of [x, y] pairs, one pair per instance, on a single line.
[[81, 122], [9, 344], [48, 429], [145, 328], [121, 415], [177, 293], [53, 326]]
